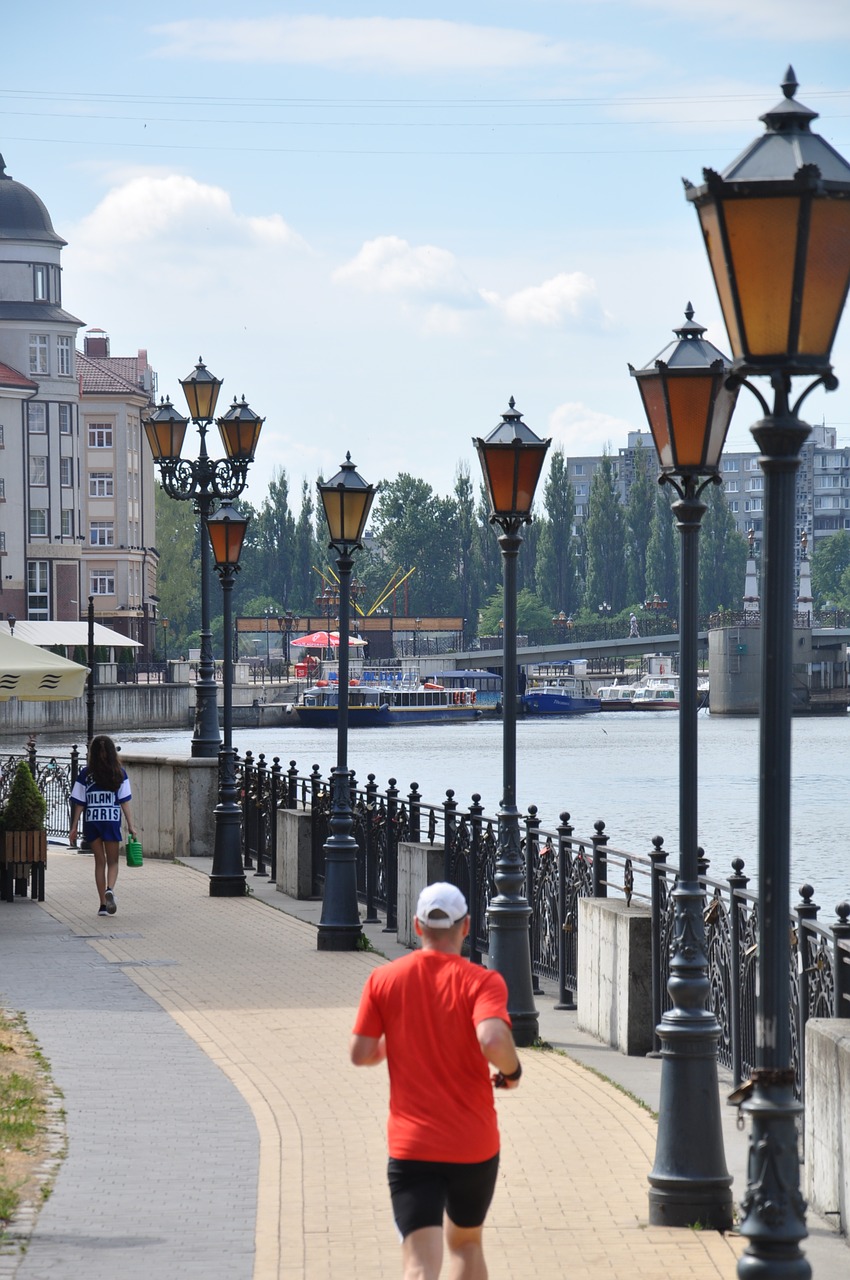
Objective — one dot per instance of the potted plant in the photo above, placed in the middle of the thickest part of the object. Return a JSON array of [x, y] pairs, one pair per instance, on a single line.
[[23, 839]]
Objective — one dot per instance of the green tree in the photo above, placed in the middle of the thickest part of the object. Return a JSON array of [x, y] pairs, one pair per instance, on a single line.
[[722, 555], [274, 539], [531, 613], [415, 527], [556, 556], [830, 561], [178, 574], [467, 548], [306, 552], [605, 532], [662, 553], [639, 509]]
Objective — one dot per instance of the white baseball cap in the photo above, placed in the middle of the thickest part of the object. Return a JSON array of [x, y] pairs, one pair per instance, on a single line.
[[441, 905]]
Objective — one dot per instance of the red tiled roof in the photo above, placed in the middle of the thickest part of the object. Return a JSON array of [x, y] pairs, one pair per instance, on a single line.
[[10, 377], [99, 376]]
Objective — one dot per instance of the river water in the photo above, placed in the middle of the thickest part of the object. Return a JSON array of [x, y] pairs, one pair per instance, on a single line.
[[621, 767]]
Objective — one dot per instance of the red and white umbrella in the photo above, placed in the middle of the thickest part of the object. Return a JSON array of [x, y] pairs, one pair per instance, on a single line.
[[323, 640]]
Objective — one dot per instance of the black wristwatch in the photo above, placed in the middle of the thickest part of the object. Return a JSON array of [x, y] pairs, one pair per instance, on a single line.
[[514, 1075]]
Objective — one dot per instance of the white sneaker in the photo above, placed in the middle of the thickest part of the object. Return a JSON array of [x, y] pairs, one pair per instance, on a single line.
[[111, 904]]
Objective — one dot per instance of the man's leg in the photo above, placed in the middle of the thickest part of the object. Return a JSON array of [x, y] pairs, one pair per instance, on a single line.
[[466, 1254], [422, 1254]]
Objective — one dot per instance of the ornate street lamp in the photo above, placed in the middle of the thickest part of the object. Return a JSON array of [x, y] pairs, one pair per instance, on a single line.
[[226, 530], [269, 614], [346, 499], [203, 481], [511, 459], [689, 407], [164, 622], [776, 225]]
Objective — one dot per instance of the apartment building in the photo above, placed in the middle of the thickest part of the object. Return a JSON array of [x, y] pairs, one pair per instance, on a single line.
[[823, 484], [61, 538]]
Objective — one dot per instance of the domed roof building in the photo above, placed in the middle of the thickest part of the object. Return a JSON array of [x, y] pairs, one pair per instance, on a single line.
[[23, 216]]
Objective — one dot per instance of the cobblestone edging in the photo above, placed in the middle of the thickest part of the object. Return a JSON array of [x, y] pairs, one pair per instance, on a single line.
[[16, 1237]]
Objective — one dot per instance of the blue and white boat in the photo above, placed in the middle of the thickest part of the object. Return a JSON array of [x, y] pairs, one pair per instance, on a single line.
[[558, 690]]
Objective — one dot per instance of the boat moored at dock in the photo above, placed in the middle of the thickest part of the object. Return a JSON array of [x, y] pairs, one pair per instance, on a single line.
[[372, 704]]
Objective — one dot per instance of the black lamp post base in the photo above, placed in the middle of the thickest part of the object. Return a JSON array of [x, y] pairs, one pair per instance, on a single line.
[[338, 938], [689, 1182], [228, 886], [509, 955]]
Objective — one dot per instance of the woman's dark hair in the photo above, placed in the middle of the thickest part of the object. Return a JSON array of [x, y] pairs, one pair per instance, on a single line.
[[103, 763]]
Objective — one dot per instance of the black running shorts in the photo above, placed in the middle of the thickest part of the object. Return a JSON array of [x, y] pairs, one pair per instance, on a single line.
[[422, 1190]]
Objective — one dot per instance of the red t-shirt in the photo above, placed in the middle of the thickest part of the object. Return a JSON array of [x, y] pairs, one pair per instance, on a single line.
[[428, 1005]]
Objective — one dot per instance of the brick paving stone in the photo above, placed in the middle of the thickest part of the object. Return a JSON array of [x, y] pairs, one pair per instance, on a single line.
[[269, 1158]]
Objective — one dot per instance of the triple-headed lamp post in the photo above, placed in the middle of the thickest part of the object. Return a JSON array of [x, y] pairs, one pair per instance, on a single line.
[[203, 481], [689, 407], [511, 459], [776, 225], [346, 499], [226, 531]]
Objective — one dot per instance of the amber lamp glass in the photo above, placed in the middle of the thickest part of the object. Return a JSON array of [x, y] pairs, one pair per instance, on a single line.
[[347, 499], [686, 401], [511, 459], [776, 225], [201, 390], [240, 431], [165, 430], [226, 531]]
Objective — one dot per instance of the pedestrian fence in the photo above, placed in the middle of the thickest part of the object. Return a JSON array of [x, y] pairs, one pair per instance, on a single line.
[[561, 867]]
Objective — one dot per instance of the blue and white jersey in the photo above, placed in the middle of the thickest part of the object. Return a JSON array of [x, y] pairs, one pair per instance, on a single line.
[[102, 817]]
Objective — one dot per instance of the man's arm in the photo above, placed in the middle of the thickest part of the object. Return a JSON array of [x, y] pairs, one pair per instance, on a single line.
[[497, 1045], [368, 1051]]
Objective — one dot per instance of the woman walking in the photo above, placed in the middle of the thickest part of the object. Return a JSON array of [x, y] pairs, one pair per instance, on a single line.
[[102, 792]]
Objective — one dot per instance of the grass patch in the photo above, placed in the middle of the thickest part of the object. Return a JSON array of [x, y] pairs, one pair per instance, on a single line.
[[24, 1088]]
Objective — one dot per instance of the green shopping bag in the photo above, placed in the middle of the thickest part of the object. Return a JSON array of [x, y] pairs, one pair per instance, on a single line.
[[134, 852]]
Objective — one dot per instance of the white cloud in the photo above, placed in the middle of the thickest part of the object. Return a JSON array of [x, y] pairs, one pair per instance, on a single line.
[[556, 303], [389, 264], [398, 44], [824, 19], [156, 210], [583, 431]]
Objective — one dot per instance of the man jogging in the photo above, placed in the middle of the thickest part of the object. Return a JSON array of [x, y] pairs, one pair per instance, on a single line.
[[438, 1021]]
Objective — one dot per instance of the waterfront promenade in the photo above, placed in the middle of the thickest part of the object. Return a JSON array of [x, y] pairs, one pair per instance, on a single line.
[[216, 1129]]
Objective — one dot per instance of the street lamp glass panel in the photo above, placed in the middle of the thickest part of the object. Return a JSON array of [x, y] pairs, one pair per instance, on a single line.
[[201, 390], [226, 531], [347, 500], [165, 430], [240, 431], [511, 473], [762, 240], [827, 274]]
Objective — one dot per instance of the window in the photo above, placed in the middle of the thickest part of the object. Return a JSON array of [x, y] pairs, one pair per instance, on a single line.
[[64, 357], [102, 582], [733, 507], [100, 435], [38, 470], [753, 504], [2, 543], [756, 485], [65, 419], [2, 488], [102, 533], [100, 484], [731, 486], [38, 522], [37, 418], [67, 522], [39, 283], [37, 599], [66, 472], [38, 353], [2, 436], [578, 469], [730, 464]]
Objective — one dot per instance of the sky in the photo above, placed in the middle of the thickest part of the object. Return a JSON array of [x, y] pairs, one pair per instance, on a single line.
[[380, 221]]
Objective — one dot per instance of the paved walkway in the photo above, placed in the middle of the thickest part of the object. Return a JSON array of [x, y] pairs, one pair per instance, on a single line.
[[216, 1129]]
